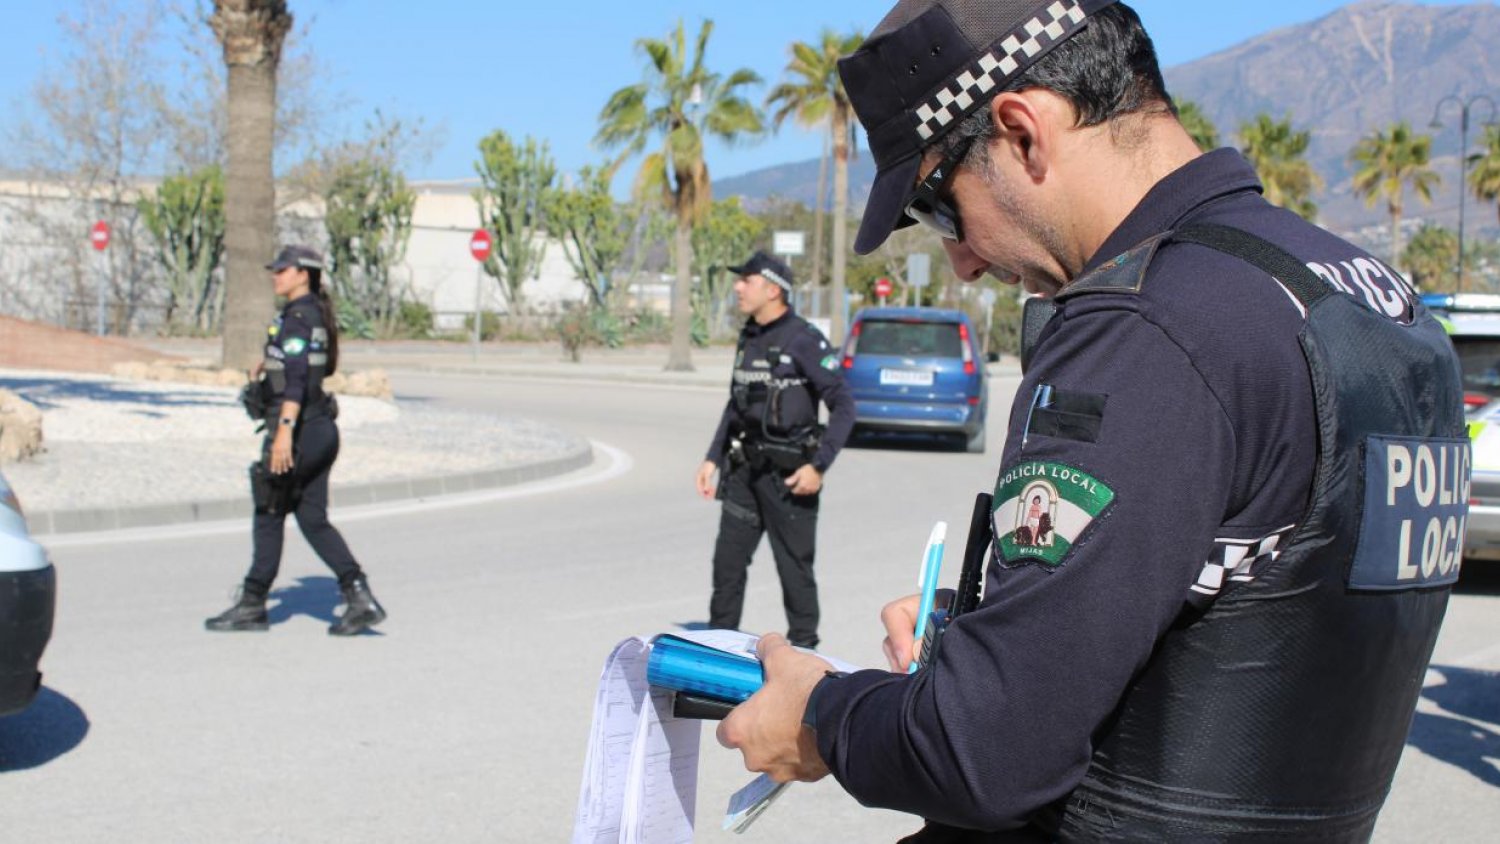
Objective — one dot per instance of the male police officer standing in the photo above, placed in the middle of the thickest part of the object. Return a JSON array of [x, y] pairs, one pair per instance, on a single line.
[[769, 449], [1224, 633]]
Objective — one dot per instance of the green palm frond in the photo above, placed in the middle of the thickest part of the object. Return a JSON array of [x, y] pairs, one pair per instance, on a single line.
[[1484, 179], [651, 181], [1278, 153], [1388, 160], [623, 117]]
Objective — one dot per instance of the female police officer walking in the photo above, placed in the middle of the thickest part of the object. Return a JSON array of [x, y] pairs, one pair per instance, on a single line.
[[300, 446]]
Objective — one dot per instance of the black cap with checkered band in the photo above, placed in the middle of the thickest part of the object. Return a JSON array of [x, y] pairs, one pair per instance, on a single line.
[[929, 64], [767, 267]]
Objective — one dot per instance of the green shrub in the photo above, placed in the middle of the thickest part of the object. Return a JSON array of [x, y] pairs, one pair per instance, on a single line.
[[413, 321], [489, 325], [646, 326], [353, 324]]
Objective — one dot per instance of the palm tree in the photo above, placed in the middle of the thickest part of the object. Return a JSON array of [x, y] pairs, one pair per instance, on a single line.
[[251, 33], [1387, 162], [1202, 130], [1484, 178], [1277, 152], [680, 101], [815, 97]]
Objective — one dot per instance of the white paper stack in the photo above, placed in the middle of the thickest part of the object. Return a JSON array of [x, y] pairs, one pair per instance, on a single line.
[[640, 777]]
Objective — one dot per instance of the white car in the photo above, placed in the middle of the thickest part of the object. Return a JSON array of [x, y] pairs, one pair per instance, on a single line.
[[1472, 321], [28, 593], [1482, 532]]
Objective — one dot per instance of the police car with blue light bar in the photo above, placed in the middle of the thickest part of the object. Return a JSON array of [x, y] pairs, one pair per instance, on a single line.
[[1473, 324]]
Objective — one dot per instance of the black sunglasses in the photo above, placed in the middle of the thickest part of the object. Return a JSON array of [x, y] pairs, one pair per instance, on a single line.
[[929, 203]]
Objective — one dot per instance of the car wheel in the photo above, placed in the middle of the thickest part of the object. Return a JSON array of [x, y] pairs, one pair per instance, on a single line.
[[975, 444]]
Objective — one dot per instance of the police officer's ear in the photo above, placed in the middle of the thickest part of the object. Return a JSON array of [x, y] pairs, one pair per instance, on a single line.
[[1029, 127]]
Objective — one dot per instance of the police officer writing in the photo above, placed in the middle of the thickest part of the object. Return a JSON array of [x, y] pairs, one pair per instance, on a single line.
[[770, 450], [300, 447], [1245, 436]]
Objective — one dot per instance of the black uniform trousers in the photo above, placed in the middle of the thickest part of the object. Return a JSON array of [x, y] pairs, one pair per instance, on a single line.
[[758, 502], [315, 445]]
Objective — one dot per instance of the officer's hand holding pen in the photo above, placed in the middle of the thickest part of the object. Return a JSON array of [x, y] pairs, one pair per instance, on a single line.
[[805, 481], [900, 620], [767, 728]]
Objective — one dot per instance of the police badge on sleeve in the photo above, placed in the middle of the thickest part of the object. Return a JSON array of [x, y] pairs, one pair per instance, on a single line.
[[1041, 509]]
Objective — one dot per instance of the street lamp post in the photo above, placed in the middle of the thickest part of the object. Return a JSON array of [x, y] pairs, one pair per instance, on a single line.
[[1464, 107]]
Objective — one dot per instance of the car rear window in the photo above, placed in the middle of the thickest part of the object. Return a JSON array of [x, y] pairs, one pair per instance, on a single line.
[[1479, 357], [909, 339]]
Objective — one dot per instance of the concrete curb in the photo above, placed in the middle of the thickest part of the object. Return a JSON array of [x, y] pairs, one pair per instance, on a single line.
[[44, 523], [701, 379]]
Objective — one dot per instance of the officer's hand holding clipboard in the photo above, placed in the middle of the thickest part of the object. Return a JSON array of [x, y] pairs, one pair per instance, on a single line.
[[767, 728]]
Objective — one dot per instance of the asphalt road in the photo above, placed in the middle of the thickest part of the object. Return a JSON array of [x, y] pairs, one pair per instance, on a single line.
[[466, 719]]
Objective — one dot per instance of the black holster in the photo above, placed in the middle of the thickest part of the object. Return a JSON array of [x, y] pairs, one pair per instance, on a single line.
[[274, 494], [253, 398]]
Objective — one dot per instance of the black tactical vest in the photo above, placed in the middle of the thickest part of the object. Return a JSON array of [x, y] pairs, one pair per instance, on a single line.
[[273, 379], [1281, 711], [771, 397]]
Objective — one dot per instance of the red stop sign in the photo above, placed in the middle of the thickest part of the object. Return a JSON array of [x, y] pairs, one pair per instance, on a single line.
[[480, 244], [99, 235], [882, 287]]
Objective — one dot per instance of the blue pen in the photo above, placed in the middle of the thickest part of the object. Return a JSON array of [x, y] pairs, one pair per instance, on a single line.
[[932, 562]]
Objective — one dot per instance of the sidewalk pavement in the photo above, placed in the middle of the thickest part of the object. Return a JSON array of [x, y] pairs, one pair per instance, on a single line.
[[126, 454]]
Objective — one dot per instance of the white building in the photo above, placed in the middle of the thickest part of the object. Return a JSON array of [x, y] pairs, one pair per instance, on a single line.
[[46, 272]]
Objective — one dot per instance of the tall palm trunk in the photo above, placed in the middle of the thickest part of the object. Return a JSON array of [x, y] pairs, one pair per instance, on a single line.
[[820, 204], [680, 357], [251, 33], [1395, 209], [840, 220]]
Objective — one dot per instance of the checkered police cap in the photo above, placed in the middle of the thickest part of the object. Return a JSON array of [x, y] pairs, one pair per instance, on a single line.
[[767, 267], [928, 65]]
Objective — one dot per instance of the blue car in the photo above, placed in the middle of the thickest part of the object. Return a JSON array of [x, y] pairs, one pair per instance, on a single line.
[[917, 370], [28, 587]]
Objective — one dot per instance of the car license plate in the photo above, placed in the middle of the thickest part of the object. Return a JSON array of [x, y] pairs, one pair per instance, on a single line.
[[907, 377]]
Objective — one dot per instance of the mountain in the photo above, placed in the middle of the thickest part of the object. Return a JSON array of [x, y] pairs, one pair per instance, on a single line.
[[1342, 76], [798, 181], [1353, 71]]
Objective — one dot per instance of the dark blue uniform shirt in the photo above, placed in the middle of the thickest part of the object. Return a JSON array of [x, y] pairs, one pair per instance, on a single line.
[[1175, 427]]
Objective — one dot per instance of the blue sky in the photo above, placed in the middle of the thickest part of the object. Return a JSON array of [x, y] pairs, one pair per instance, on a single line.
[[466, 67]]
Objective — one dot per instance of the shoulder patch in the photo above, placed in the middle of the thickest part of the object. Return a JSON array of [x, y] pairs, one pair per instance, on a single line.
[[1041, 509], [294, 346], [829, 362], [1125, 273]]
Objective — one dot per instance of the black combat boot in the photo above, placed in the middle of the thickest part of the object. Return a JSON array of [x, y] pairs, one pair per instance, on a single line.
[[248, 613], [361, 610]]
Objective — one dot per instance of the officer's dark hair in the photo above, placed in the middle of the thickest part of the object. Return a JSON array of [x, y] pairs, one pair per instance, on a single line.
[[330, 315], [1106, 71]]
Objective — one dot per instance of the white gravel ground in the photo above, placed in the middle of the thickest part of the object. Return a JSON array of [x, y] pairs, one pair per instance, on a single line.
[[117, 443]]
